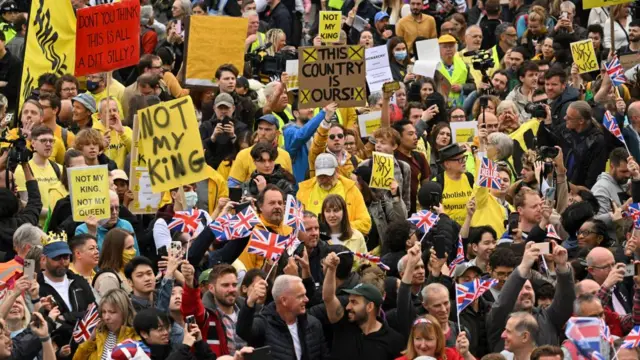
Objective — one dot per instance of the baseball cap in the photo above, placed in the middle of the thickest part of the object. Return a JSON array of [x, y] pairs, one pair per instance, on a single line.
[[204, 276], [326, 164], [8, 6], [224, 99], [271, 119], [380, 15], [367, 291], [445, 39], [463, 267], [119, 174], [86, 100], [56, 248]]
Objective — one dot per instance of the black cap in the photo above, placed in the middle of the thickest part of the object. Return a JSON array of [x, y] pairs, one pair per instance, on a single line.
[[8, 6], [367, 291], [450, 151]]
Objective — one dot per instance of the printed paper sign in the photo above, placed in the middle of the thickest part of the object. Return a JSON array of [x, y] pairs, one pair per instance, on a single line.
[[107, 37], [89, 192], [462, 131], [378, 70], [584, 56], [330, 74], [168, 133], [382, 172], [330, 25], [145, 201], [368, 123]]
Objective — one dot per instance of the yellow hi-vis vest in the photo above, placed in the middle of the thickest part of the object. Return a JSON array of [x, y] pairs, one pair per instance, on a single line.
[[261, 40], [287, 111], [458, 77]]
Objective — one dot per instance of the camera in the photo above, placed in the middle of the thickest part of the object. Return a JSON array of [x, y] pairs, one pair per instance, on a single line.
[[547, 152], [264, 67], [18, 152], [482, 61], [536, 110]]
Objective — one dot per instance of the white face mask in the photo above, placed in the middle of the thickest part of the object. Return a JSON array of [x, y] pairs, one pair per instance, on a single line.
[[191, 198]]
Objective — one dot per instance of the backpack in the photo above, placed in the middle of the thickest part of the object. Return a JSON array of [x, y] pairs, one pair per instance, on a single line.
[[56, 169], [64, 134], [102, 271]]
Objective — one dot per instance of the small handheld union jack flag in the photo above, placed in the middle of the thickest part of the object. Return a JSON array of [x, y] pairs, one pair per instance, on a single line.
[[191, 221], [585, 333], [611, 124], [465, 295], [633, 339], [459, 259], [606, 332], [552, 234], [488, 176], [615, 71], [424, 220], [372, 259], [243, 222], [267, 244], [633, 211], [222, 227], [294, 213], [85, 326]]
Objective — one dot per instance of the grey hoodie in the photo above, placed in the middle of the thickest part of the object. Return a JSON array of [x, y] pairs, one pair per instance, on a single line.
[[521, 101], [607, 188]]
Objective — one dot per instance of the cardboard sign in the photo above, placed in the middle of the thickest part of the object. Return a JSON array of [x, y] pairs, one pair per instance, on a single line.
[[368, 123], [145, 201], [628, 61], [462, 131], [330, 74], [89, 192], [588, 4], [382, 172], [330, 26], [584, 56], [170, 138], [204, 53], [108, 37], [378, 70]]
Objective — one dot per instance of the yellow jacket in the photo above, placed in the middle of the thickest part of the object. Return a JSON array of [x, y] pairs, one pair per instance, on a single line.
[[358, 213], [92, 349], [489, 211], [253, 261], [120, 144], [217, 188], [319, 146]]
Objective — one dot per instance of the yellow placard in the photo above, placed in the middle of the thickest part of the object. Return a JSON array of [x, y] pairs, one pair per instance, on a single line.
[[584, 56], [463, 135], [330, 25], [144, 201], [171, 141], [382, 172], [50, 46], [89, 192], [205, 53], [588, 4]]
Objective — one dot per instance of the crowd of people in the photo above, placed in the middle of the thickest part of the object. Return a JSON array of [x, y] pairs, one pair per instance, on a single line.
[[375, 273]]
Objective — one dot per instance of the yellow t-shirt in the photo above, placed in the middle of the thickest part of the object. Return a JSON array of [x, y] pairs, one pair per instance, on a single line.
[[243, 165], [51, 189], [120, 144], [455, 195], [71, 138], [57, 153]]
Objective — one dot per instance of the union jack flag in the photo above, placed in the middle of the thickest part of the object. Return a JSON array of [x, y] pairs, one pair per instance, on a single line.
[[293, 244], [128, 349], [222, 228], [488, 176], [294, 213], [468, 292], [459, 259], [633, 211], [552, 234], [633, 339], [191, 221], [611, 124], [484, 285], [85, 326], [615, 71], [372, 259], [606, 332], [424, 220], [585, 333], [267, 244], [243, 222]]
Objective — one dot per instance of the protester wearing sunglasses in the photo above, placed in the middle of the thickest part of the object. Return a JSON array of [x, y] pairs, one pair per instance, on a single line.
[[330, 138]]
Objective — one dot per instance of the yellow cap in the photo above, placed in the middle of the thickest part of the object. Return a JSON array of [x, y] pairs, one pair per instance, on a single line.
[[445, 39]]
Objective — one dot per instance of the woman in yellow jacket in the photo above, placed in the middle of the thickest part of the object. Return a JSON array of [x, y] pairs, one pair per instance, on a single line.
[[335, 219], [116, 325]]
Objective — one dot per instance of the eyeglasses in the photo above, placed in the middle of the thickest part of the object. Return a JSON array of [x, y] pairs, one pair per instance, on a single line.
[[604, 267], [586, 232], [47, 141], [334, 136], [461, 160], [458, 117], [115, 209], [69, 89]]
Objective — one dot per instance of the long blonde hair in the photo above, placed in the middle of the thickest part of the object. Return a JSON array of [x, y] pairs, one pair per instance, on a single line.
[[120, 299], [427, 327], [272, 36]]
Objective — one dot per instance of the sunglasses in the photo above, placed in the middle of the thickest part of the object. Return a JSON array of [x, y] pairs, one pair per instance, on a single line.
[[334, 136]]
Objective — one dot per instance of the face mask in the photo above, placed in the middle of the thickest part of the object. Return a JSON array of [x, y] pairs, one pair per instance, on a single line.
[[400, 55], [92, 85], [128, 255], [191, 198]]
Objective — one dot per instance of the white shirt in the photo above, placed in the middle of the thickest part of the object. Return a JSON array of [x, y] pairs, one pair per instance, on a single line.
[[62, 288], [293, 330]]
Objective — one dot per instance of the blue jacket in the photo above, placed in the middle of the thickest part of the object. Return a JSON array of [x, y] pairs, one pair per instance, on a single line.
[[101, 232], [295, 142]]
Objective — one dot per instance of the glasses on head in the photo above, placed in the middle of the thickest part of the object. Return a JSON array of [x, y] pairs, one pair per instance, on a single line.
[[47, 141], [334, 136]]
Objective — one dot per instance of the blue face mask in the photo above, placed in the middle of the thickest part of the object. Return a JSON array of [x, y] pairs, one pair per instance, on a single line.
[[400, 55], [92, 85]]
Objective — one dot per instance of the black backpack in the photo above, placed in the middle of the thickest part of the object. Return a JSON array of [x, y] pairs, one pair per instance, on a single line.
[[440, 179]]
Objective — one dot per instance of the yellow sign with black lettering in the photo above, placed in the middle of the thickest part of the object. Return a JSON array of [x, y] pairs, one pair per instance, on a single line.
[[167, 133], [588, 4], [89, 192], [330, 25], [584, 56], [330, 74], [382, 172]]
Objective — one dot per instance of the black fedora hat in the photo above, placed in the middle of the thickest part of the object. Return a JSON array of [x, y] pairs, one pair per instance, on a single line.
[[450, 151]]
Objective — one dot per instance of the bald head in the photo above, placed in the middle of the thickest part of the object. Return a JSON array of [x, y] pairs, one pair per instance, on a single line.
[[489, 120], [600, 261], [587, 286], [634, 113]]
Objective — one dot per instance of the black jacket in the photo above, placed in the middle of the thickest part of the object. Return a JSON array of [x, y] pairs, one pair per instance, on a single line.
[[26, 345], [560, 105], [278, 178], [11, 72], [280, 18], [268, 328], [29, 215], [80, 296], [201, 351], [223, 148], [366, 10]]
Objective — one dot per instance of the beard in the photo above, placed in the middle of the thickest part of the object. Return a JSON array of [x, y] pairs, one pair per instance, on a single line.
[[224, 300], [358, 317]]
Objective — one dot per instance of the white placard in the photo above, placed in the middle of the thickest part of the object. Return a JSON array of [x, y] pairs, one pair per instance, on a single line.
[[369, 123], [428, 49], [291, 67], [425, 68], [146, 197], [463, 130], [377, 65]]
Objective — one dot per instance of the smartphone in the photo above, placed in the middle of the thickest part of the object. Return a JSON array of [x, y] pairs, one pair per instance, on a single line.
[[36, 320], [29, 268], [564, 15], [439, 246], [550, 196], [514, 222], [191, 320], [630, 270], [162, 251], [545, 247], [179, 27], [391, 86], [389, 27], [241, 206], [434, 198], [235, 194], [263, 353], [176, 248]]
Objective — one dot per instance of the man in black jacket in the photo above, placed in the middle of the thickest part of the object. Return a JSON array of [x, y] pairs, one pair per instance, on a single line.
[[71, 292], [560, 96], [279, 17], [277, 321]]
